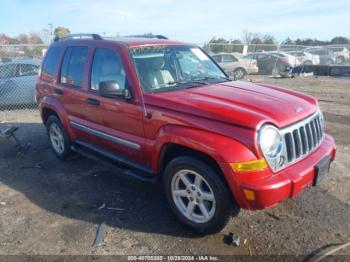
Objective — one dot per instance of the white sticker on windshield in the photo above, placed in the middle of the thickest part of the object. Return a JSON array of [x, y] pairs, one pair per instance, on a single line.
[[199, 54]]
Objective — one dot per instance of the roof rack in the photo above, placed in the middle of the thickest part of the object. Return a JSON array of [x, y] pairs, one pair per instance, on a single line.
[[149, 36], [78, 36]]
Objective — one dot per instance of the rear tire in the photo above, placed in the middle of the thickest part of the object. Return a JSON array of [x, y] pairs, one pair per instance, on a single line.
[[340, 60], [58, 137], [197, 195], [239, 73]]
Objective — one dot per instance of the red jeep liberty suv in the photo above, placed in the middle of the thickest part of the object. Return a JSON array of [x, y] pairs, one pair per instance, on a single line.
[[165, 110]]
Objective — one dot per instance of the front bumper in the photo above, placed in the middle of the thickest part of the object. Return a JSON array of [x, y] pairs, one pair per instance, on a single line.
[[289, 182]]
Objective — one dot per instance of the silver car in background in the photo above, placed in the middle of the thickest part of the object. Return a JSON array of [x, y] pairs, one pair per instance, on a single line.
[[326, 55], [17, 82], [305, 58], [342, 54], [236, 65]]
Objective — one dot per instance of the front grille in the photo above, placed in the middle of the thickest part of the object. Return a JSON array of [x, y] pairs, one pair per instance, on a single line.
[[302, 138]]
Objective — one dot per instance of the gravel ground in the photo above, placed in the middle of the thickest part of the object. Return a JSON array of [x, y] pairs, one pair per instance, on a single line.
[[52, 207]]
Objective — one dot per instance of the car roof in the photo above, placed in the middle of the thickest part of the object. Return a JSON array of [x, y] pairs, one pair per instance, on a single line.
[[128, 41]]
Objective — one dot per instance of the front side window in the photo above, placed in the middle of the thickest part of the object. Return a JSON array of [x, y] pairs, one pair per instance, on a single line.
[[107, 66], [72, 71], [166, 67]]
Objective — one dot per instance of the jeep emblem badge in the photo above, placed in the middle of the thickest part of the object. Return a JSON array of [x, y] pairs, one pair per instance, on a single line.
[[298, 109]]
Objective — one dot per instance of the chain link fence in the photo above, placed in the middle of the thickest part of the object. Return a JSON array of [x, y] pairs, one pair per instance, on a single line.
[[19, 68], [240, 60]]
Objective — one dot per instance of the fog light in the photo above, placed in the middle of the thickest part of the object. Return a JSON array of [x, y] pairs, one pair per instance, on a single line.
[[249, 194]]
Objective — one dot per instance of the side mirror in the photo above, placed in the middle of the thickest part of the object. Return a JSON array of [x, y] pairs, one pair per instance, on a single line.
[[112, 89]]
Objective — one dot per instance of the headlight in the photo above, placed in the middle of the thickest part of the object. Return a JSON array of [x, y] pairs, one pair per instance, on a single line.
[[270, 141]]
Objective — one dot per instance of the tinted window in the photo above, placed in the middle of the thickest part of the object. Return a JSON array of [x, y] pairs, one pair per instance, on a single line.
[[72, 71], [28, 70], [51, 60], [107, 66], [261, 56]]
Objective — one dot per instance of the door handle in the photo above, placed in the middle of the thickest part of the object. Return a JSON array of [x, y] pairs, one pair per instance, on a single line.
[[59, 92], [93, 101]]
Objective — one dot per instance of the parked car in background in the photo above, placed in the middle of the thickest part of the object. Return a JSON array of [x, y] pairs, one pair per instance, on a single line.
[[305, 58], [17, 82], [326, 55], [271, 64], [235, 65], [5, 59], [342, 54], [291, 59]]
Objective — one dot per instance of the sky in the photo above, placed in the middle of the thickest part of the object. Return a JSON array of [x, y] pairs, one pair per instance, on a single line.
[[192, 20]]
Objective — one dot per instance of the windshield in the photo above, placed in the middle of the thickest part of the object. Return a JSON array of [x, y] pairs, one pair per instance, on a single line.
[[166, 68]]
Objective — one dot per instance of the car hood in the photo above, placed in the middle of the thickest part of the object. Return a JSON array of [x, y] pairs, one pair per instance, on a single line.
[[238, 103]]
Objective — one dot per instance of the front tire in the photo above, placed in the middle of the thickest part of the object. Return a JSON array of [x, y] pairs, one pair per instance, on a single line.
[[197, 195], [58, 137]]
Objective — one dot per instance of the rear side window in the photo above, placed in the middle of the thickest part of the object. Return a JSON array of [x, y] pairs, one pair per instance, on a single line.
[[228, 58], [51, 60], [72, 71]]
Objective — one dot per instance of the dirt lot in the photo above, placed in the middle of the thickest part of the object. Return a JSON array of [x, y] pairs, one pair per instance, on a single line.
[[51, 207]]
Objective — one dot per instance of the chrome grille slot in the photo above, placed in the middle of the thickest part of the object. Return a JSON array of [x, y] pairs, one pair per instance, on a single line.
[[302, 138]]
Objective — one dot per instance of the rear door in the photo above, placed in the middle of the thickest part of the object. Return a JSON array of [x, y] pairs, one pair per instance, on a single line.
[[70, 88], [116, 123]]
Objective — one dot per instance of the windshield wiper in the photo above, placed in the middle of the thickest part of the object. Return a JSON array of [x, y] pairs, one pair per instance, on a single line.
[[212, 78]]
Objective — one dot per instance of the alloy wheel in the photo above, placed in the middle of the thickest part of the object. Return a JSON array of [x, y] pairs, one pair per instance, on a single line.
[[193, 196], [56, 138]]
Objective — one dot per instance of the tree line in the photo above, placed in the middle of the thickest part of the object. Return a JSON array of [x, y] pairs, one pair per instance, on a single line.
[[266, 42], [44, 37]]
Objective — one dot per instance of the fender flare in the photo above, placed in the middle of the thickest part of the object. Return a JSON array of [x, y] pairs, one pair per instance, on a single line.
[[220, 148], [56, 106]]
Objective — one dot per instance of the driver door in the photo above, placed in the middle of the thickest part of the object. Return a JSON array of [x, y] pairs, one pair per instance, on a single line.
[[116, 124]]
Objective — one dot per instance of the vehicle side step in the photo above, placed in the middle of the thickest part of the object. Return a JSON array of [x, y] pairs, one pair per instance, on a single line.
[[88, 152]]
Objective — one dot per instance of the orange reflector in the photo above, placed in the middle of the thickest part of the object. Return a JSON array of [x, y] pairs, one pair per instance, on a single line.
[[249, 194], [253, 165]]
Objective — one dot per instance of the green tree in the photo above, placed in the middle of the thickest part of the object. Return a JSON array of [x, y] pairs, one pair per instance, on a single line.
[[237, 46], [218, 45], [340, 40], [61, 31], [288, 41]]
